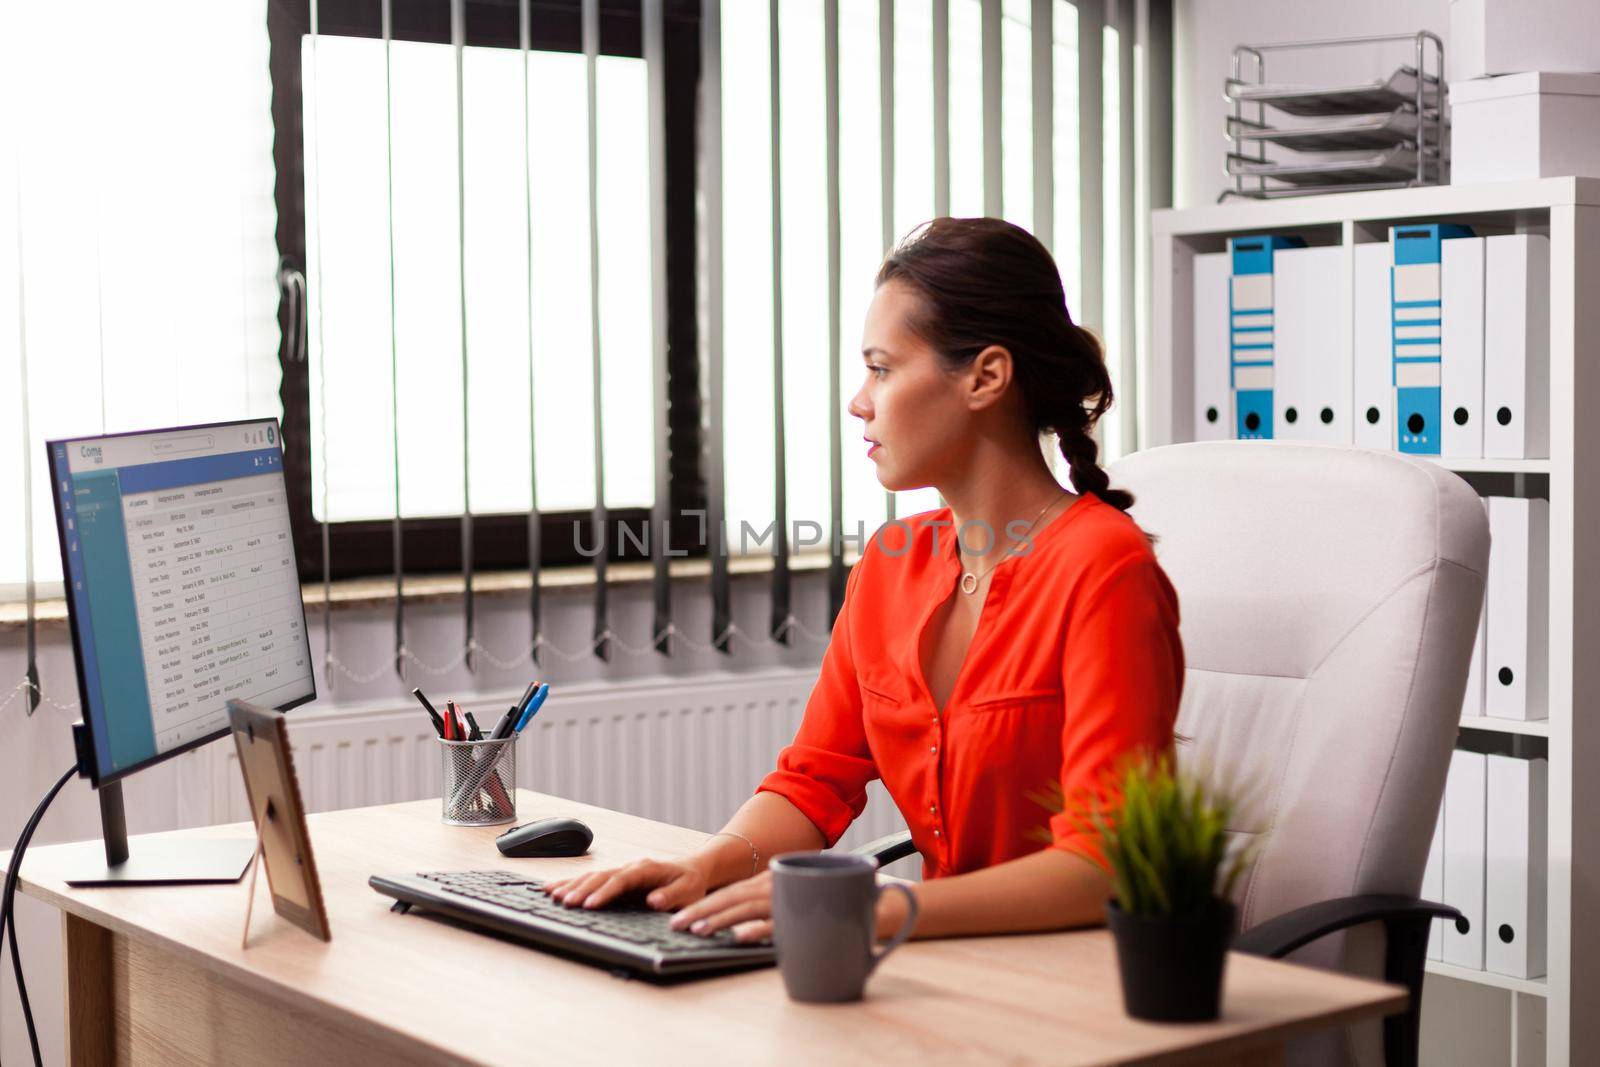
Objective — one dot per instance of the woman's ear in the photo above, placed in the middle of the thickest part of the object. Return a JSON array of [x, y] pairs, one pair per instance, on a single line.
[[989, 374]]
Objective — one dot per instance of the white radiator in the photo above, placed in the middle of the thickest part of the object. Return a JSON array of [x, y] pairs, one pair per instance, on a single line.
[[683, 751]]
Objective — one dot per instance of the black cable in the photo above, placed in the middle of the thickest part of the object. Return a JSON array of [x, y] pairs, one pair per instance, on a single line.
[[22, 989], [8, 915]]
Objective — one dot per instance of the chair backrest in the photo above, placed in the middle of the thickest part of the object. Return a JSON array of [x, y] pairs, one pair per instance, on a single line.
[[1329, 599]]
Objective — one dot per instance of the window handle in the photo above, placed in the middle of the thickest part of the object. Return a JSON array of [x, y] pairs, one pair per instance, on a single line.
[[292, 288]]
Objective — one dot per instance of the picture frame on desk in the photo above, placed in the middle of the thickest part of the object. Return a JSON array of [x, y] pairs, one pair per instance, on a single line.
[[284, 843]]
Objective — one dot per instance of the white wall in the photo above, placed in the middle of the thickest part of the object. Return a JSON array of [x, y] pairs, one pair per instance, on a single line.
[[1206, 31]]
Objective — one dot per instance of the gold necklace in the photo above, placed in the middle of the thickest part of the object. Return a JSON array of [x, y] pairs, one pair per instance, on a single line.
[[969, 581]]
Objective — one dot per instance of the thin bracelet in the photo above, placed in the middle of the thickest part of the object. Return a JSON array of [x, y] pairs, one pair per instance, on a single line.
[[755, 857]]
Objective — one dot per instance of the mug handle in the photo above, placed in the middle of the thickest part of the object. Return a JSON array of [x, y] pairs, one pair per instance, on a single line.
[[905, 928]]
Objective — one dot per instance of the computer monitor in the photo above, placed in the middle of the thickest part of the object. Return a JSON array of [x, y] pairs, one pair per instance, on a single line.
[[182, 594]]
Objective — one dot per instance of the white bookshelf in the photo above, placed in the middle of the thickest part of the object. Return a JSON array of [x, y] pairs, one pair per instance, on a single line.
[[1567, 210], [1531, 728], [1464, 465], [1533, 987]]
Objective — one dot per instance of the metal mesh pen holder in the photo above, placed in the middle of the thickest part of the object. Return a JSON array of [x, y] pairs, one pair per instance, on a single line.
[[480, 782]]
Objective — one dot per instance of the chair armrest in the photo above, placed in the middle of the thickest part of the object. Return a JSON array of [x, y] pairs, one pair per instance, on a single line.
[[888, 848], [1405, 926], [1282, 935]]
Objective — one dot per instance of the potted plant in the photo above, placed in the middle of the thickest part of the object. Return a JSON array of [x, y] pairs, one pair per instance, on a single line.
[[1163, 841]]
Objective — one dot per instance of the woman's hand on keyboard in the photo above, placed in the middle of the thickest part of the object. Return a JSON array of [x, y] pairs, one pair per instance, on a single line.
[[671, 884], [745, 906]]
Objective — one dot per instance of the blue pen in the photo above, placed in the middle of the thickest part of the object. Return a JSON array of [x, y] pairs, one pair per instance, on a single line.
[[533, 706], [507, 725]]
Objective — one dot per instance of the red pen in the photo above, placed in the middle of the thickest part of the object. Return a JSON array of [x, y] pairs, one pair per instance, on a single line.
[[450, 720]]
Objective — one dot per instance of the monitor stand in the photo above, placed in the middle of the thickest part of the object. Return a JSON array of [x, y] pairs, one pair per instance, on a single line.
[[167, 861]]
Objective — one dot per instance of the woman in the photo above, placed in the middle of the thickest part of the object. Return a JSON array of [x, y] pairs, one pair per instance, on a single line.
[[1020, 639]]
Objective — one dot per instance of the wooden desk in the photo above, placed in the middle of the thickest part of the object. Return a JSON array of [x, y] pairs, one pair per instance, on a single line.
[[156, 975]]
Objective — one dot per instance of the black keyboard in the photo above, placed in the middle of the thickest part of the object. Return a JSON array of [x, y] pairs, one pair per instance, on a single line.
[[628, 936]]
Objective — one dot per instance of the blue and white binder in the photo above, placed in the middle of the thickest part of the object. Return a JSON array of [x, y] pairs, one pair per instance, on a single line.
[[1472, 703], [1213, 384], [1465, 812], [1461, 340], [1516, 326], [1433, 886], [1516, 878], [1415, 288], [1517, 648], [1374, 347], [1250, 347], [1311, 374]]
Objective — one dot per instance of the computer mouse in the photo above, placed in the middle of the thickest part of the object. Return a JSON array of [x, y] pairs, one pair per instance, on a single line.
[[546, 837]]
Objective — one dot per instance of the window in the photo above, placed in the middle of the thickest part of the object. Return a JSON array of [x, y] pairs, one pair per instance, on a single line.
[[351, 144], [347, 230], [137, 261], [334, 148], [376, 362]]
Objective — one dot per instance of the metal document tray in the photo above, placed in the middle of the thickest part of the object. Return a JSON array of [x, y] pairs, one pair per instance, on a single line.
[[1394, 164], [1362, 131], [1367, 98]]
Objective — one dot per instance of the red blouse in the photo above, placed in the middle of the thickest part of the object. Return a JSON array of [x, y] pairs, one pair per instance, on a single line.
[[1075, 662]]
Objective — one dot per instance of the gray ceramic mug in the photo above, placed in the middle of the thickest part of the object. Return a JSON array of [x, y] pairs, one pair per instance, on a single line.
[[824, 923]]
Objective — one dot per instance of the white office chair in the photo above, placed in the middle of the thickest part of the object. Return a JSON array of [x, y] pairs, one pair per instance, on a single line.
[[1329, 599]]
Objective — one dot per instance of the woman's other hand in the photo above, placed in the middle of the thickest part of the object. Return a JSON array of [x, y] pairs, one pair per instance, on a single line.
[[746, 906], [668, 885]]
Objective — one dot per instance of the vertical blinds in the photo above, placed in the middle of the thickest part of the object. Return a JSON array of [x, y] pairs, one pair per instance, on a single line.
[[1018, 108], [1022, 109], [498, 295], [518, 185], [137, 254]]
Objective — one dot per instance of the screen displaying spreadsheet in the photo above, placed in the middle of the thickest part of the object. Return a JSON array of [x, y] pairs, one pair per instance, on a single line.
[[181, 583]]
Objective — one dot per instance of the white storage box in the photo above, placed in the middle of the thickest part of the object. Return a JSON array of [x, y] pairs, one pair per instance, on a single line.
[[1534, 125], [1489, 37]]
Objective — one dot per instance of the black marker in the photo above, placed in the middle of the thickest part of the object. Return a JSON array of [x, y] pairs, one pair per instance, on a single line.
[[504, 725], [438, 723]]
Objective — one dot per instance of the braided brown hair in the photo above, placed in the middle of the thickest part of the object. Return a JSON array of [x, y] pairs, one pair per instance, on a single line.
[[987, 282]]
